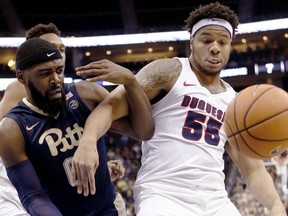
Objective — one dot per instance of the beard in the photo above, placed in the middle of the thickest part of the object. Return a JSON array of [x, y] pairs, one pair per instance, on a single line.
[[51, 107]]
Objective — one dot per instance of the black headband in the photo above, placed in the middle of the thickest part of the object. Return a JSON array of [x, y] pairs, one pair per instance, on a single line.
[[35, 51]]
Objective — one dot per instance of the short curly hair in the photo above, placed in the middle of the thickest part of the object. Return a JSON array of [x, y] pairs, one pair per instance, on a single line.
[[40, 29], [212, 10]]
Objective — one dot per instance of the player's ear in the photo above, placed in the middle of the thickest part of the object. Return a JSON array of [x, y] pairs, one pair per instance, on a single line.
[[191, 41], [20, 76]]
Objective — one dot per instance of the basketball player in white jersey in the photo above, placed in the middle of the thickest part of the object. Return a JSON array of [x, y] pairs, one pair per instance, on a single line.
[[182, 164]]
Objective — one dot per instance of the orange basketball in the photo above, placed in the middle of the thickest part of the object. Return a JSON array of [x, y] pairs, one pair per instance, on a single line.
[[256, 121]]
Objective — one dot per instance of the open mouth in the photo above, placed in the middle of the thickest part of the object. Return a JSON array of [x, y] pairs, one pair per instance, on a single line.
[[55, 94]]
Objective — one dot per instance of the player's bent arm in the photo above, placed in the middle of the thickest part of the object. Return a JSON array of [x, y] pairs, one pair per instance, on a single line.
[[258, 180], [152, 80], [101, 118], [21, 172], [86, 159], [155, 78], [132, 110], [131, 100], [116, 106], [140, 114]]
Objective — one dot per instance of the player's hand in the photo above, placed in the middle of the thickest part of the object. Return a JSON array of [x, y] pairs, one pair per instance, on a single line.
[[116, 169], [84, 165], [105, 70]]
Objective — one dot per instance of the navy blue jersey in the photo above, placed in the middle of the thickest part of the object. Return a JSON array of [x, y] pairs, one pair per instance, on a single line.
[[50, 145]]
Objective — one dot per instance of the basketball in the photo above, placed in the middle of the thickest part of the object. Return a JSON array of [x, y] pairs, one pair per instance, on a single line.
[[256, 121]]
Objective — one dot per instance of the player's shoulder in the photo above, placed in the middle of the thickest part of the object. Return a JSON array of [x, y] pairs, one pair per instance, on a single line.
[[166, 62], [162, 67]]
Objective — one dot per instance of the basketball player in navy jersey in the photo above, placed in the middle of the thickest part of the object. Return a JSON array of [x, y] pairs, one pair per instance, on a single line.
[[47, 125], [15, 91], [182, 164]]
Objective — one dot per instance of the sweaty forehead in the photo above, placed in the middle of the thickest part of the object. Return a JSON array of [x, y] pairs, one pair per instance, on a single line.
[[213, 30]]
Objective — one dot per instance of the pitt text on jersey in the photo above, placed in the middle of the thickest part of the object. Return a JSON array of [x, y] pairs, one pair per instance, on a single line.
[[55, 139]]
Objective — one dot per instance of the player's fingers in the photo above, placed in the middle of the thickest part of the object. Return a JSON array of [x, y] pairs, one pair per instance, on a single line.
[[88, 179], [121, 169], [94, 74], [79, 180], [73, 176], [113, 166], [92, 182], [92, 65], [122, 173], [85, 183]]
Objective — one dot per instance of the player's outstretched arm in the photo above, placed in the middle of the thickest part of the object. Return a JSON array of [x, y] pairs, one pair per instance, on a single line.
[[258, 180]]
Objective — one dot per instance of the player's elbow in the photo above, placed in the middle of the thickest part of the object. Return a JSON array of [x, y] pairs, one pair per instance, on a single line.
[[146, 133]]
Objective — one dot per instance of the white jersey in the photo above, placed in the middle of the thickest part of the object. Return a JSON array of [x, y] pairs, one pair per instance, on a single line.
[[185, 154]]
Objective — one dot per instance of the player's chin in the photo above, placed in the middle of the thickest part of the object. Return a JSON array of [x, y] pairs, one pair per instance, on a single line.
[[214, 68]]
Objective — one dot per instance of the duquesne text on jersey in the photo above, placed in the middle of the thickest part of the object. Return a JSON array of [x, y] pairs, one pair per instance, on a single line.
[[195, 102]]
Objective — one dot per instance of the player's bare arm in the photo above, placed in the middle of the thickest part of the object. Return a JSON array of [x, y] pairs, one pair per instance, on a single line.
[[258, 180], [115, 106], [12, 148]]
